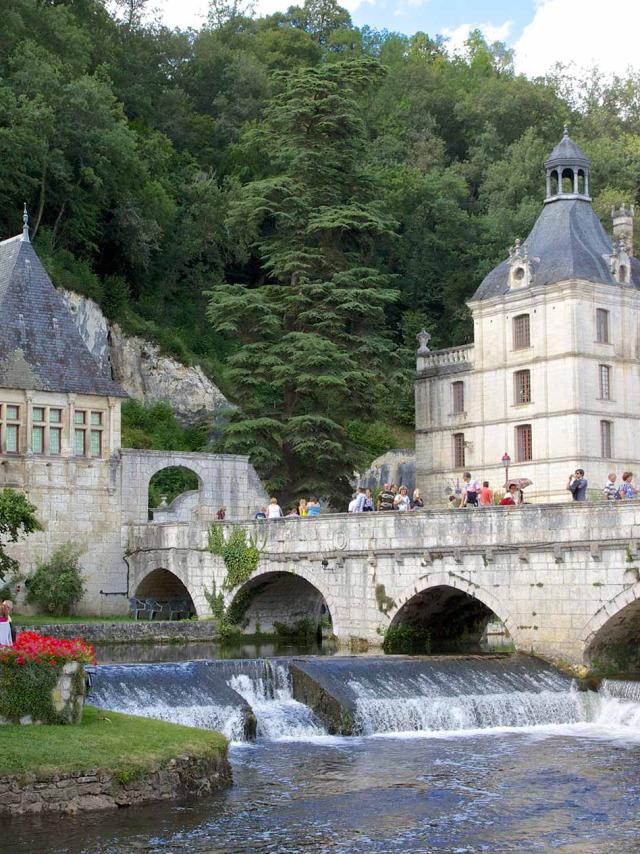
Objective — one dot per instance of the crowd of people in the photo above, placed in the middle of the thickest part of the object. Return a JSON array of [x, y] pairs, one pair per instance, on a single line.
[[472, 493]]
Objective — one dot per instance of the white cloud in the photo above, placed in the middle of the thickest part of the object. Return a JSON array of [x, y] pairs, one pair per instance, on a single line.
[[585, 32], [458, 36]]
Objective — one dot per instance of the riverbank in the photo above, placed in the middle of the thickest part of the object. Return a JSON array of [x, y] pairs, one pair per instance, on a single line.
[[109, 760]]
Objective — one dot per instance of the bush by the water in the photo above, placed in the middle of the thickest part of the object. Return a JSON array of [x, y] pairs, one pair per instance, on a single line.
[[57, 586], [29, 671]]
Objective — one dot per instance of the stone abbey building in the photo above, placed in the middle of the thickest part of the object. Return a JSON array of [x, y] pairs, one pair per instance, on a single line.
[[60, 439], [552, 378]]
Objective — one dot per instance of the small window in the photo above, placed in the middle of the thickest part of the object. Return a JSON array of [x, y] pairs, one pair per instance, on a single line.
[[457, 389], [605, 439], [55, 440], [522, 387], [96, 419], [37, 440], [12, 438], [604, 372], [96, 443], [602, 326], [13, 413], [55, 416], [38, 414], [79, 417], [458, 451], [521, 332], [523, 443], [78, 443]]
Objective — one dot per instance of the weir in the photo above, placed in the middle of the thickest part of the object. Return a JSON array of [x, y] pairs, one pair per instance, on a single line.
[[306, 698]]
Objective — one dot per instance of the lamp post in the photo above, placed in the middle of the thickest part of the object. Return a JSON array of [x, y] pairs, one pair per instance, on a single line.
[[506, 459]]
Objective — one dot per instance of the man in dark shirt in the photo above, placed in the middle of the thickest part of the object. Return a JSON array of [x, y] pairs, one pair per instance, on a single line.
[[385, 499], [577, 485]]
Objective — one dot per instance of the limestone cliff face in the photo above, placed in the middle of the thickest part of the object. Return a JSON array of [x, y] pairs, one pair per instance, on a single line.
[[141, 368]]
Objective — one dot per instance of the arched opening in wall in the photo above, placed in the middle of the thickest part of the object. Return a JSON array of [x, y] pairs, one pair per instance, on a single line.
[[554, 183], [616, 645], [443, 619], [162, 596], [567, 180], [582, 187], [284, 605], [173, 494]]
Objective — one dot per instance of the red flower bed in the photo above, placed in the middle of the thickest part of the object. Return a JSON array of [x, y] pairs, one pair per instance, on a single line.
[[42, 649]]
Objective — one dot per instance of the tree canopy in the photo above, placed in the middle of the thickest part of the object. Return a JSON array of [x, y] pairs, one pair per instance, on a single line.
[[286, 199]]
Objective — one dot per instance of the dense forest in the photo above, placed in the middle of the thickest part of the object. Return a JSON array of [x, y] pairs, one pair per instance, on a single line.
[[286, 200]]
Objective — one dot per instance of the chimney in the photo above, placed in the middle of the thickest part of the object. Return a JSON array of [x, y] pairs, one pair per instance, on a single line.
[[622, 218]]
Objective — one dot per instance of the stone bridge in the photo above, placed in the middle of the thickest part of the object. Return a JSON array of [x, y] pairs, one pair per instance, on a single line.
[[564, 579]]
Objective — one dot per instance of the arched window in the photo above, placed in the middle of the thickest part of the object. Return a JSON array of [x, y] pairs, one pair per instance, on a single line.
[[567, 181]]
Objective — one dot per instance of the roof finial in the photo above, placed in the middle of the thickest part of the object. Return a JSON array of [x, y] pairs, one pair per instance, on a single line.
[[566, 130], [25, 224]]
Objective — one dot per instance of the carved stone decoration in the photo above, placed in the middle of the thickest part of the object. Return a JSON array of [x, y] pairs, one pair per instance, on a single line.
[[423, 338]]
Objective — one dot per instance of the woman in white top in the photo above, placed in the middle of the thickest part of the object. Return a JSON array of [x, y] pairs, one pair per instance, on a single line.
[[5, 626], [402, 500], [274, 511]]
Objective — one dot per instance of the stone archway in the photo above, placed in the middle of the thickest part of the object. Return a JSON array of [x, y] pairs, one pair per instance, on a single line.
[[165, 588], [612, 636], [449, 612], [281, 600]]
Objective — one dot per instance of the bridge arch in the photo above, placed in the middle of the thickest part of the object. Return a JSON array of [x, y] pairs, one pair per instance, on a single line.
[[164, 586], [612, 635], [283, 596], [433, 603]]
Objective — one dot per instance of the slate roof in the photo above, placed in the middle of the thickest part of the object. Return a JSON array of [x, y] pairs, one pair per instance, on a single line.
[[568, 153], [40, 346], [567, 242]]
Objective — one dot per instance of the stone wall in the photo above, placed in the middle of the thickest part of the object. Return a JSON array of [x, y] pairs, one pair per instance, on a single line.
[[162, 631], [67, 697], [98, 790]]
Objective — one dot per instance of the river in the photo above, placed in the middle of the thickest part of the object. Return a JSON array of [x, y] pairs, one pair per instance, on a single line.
[[457, 755]]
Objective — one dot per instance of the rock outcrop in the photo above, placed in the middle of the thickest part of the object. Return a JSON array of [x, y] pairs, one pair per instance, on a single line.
[[140, 367]]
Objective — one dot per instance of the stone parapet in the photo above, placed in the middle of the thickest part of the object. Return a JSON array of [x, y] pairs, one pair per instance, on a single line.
[[163, 631]]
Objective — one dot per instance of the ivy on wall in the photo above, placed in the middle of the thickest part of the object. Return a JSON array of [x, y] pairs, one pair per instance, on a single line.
[[239, 555]]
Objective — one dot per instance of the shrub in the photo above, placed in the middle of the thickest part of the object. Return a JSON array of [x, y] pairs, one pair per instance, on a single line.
[[57, 586], [29, 671]]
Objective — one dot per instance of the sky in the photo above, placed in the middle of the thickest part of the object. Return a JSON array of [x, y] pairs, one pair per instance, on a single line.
[[542, 32]]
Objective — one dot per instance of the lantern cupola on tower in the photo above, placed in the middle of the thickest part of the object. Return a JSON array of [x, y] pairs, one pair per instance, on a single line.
[[567, 171]]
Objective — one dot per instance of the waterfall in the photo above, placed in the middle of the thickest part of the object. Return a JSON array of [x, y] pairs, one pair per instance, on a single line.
[[619, 704], [278, 715]]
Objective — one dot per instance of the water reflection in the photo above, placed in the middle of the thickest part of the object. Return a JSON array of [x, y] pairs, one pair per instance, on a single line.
[[128, 653]]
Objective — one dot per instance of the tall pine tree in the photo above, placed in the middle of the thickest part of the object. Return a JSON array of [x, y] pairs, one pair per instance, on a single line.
[[310, 323]]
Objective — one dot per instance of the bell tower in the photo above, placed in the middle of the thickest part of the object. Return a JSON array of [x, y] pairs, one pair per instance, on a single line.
[[567, 171]]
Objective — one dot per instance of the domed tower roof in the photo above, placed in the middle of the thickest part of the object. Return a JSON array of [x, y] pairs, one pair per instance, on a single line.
[[567, 240]]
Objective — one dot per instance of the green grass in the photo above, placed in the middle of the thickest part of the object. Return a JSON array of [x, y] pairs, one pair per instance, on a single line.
[[51, 619], [109, 741]]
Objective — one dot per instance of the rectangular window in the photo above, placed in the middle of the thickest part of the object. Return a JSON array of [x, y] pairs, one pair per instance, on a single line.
[[12, 439], [55, 440], [523, 443], [605, 439], [604, 373], [78, 443], [79, 417], [602, 326], [458, 451], [55, 416], [38, 414], [457, 390], [37, 440], [13, 413], [96, 443], [521, 332], [96, 419], [522, 392]]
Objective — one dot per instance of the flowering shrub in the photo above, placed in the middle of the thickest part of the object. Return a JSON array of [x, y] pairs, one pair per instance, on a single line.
[[42, 649], [29, 673]]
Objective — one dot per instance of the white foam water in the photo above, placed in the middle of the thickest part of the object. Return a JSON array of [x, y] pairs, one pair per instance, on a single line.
[[278, 715], [225, 719]]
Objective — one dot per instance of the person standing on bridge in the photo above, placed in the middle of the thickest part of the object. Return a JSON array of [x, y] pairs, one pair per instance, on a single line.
[[577, 485], [386, 497], [274, 511], [313, 507], [611, 490], [627, 490]]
